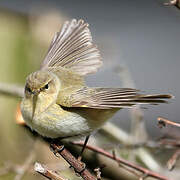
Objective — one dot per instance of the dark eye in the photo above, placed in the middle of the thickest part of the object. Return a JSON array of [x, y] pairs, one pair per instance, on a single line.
[[46, 86], [28, 89]]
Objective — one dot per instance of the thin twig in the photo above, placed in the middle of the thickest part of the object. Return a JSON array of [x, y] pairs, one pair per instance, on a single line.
[[171, 2], [122, 137], [172, 161], [41, 169], [160, 143], [123, 166], [162, 122], [124, 162], [172, 143], [79, 167]]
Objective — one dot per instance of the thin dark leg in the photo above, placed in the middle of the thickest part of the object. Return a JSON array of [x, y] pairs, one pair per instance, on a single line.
[[83, 148]]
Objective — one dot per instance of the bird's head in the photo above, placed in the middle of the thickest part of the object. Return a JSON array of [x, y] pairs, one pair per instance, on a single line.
[[41, 89]]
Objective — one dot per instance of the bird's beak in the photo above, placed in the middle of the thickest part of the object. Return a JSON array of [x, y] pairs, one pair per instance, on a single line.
[[35, 97]]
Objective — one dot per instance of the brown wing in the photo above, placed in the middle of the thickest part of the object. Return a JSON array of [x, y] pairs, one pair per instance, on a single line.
[[73, 48], [107, 98]]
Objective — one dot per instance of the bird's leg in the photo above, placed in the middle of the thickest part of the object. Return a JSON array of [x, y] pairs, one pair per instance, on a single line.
[[83, 148]]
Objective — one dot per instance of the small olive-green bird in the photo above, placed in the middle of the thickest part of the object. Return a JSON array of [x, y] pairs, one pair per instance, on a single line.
[[57, 102]]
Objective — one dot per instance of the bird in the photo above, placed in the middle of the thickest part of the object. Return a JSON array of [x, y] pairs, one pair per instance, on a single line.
[[57, 103]]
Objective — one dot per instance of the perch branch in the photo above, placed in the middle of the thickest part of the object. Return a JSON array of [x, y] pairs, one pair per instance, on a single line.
[[79, 167], [145, 171]]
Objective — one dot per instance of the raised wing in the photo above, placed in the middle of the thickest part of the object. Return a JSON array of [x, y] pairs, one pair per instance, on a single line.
[[107, 98], [73, 48]]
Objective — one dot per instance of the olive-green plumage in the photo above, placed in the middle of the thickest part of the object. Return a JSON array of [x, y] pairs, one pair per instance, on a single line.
[[57, 102]]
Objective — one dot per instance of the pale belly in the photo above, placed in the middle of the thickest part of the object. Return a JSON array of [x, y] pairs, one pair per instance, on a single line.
[[56, 122]]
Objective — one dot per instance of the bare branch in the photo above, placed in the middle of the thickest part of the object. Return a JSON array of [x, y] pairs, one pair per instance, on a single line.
[[162, 122], [41, 169], [172, 161], [125, 167], [79, 167], [145, 171]]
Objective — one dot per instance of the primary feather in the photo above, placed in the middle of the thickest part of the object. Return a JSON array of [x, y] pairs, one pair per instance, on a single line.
[[73, 48], [107, 98]]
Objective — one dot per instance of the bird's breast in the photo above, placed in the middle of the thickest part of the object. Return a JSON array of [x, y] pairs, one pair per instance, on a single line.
[[59, 122], [55, 122]]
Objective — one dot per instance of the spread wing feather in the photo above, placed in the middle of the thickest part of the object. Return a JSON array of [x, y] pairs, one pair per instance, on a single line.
[[73, 48], [107, 98]]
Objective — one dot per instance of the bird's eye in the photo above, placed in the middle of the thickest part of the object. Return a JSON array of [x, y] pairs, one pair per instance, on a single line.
[[46, 86], [28, 89]]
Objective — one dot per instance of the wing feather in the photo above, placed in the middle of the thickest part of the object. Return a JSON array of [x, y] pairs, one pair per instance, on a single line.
[[73, 48], [107, 98]]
